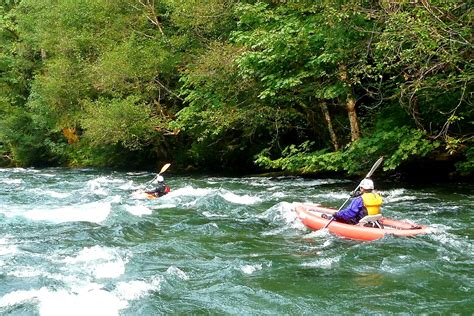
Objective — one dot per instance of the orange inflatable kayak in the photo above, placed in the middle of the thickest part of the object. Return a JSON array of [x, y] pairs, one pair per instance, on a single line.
[[150, 196], [311, 215]]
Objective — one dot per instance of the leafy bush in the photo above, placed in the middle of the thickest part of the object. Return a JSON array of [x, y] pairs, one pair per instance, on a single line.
[[397, 146], [467, 167]]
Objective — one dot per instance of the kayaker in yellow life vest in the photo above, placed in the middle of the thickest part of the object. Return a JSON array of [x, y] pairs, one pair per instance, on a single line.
[[367, 203]]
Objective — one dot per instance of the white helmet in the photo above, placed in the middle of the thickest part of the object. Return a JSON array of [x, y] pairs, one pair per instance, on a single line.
[[160, 179], [367, 184]]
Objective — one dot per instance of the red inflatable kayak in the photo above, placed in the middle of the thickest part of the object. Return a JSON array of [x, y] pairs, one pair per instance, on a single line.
[[311, 215]]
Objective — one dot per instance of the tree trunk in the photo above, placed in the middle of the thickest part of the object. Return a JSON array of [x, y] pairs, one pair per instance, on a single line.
[[355, 130], [350, 105], [327, 117]]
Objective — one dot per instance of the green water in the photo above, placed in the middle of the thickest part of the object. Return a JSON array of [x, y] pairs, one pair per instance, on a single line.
[[85, 242]]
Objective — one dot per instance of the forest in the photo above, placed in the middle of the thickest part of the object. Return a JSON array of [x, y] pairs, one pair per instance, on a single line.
[[232, 86]]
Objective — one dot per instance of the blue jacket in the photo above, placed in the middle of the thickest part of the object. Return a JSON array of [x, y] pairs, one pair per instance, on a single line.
[[353, 213]]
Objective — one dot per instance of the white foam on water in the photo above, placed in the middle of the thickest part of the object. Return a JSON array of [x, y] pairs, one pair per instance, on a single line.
[[109, 270], [274, 232], [26, 272], [396, 195], [92, 302], [249, 269], [6, 248], [333, 196], [209, 214], [278, 195], [81, 297], [47, 175], [11, 181], [162, 206], [95, 186], [318, 182], [95, 212], [451, 241], [189, 191], [290, 182], [18, 297], [99, 261], [128, 186], [19, 170], [136, 289], [114, 199], [138, 210], [84, 301], [438, 228], [139, 195], [90, 254], [287, 213], [177, 272], [282, 213], [393, 267], [54, 194], [282, 210], [237, 199], [325, 263], [109, 180], [320, 233]]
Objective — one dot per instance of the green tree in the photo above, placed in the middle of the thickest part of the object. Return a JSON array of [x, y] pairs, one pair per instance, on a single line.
[[425, 50]]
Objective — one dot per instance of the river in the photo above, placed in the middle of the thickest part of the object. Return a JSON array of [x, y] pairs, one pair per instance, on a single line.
[[85, 242]]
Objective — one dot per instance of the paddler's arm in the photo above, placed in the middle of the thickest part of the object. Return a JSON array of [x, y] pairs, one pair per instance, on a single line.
[[351, 211]]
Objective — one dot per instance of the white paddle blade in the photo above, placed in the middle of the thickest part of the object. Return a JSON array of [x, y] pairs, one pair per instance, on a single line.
[[375, 166], [164, 168]]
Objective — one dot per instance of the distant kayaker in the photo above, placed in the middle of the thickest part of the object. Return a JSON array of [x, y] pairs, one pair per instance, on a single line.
[[161, 188], [367, 203]]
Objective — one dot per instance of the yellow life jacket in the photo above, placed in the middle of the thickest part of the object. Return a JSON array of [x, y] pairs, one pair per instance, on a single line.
[[372, 202]]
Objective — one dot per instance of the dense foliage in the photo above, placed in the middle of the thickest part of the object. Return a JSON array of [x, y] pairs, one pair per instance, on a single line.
[[226, 85]]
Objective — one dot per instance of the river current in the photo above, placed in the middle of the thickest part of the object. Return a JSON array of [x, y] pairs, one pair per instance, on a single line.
[[86, 242]]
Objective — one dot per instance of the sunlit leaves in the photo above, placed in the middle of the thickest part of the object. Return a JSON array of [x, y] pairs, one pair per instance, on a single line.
[[131, 67], [119, 121]]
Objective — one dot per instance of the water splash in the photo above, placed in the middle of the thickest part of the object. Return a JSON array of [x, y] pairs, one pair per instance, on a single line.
[[96, 212]]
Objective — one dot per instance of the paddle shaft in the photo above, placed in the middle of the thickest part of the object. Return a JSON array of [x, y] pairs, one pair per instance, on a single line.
[[375, 166]]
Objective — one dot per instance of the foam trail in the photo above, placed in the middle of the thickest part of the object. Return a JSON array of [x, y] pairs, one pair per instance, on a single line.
[[138, 210], [324, 263], [178, 272], [190, 191], [101, 262], [249, 269], [95, 212], [85, 301], [236, 199], [136, 289], [55, 194], [6, 249]]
